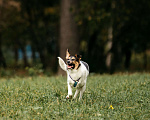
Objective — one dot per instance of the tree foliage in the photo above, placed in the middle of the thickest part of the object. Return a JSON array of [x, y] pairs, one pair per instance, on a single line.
[[37, 23]]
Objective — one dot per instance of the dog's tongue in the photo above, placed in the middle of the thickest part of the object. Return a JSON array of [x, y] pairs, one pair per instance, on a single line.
[[69, 66]]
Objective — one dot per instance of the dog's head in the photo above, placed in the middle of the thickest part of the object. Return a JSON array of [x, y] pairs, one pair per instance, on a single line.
[[73, 62]]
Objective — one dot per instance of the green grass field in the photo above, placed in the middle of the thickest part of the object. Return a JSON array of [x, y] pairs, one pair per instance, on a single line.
[[115, 97]]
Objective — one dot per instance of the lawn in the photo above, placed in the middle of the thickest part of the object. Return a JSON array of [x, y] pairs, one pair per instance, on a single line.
[[115, 97]]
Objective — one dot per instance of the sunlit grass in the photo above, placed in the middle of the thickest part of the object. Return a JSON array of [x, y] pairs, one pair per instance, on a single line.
[[106, 97]]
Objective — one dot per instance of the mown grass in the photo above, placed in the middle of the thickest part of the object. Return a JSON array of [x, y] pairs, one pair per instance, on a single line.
[[120, 96]]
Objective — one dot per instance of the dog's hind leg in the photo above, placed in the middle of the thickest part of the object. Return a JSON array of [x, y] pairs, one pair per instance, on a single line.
[[82, 91]]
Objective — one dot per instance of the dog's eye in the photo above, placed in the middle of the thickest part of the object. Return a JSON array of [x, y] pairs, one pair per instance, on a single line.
[[73, 59]]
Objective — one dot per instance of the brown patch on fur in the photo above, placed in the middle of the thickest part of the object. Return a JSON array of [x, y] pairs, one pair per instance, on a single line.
[[77, 61], [76, 55], [76, 64]]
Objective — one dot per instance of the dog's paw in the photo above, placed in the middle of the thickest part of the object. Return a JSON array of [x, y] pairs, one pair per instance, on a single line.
[[69, 97]]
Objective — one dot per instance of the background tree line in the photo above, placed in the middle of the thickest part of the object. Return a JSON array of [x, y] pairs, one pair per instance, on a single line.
[[107, 33]]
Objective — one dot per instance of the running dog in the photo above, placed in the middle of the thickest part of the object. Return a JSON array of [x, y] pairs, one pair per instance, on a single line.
[[77, 72]]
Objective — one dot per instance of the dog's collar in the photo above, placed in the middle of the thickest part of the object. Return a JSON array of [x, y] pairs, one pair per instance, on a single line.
[[75, 81]]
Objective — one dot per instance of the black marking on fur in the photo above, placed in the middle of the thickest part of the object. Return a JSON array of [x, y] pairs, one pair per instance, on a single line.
[[86, 65]]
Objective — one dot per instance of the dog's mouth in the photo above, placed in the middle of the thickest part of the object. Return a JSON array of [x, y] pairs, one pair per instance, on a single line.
[[71, 66]]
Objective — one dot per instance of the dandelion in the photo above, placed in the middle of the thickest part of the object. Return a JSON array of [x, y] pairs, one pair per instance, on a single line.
[[38, 113], [111, 107]]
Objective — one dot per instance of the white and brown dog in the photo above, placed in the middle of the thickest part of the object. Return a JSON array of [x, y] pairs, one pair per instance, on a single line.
[[77, 72]]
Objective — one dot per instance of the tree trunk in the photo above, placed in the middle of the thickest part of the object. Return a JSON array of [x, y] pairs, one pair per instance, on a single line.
[[22, 47], [42, 57], [110, 40], [108, 48], [68, 29], [127, 58], [2, 59], [145, 60], [16, 55], [24, 56], [33, 54]]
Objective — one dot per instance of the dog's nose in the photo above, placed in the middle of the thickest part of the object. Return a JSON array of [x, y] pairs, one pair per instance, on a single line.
[[68, 62]]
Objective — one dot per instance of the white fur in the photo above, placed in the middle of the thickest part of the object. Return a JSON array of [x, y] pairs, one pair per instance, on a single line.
[[75, 75]]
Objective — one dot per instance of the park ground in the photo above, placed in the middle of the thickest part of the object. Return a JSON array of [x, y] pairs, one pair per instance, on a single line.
[[119, 96]]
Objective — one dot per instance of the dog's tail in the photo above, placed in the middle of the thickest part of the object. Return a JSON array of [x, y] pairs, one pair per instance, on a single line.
[[62, 63]]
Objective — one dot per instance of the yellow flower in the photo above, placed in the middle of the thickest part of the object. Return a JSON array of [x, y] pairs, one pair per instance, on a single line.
[[111, 107]]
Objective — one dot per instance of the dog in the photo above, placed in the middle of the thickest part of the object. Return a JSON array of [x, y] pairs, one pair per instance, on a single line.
[[77, 73]]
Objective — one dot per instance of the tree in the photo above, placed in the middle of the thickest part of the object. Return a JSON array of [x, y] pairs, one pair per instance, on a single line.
[[2, 59], [110, 39], [69, 37], [42, 29]]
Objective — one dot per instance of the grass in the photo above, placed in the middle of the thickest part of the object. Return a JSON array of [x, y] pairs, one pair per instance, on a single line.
[[115, 97]]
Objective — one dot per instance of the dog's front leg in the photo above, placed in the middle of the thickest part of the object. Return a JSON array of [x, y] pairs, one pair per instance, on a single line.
[[69, 96], [76, 93]]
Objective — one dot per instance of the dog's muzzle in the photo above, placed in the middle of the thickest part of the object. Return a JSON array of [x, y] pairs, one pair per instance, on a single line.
[[70, 66]]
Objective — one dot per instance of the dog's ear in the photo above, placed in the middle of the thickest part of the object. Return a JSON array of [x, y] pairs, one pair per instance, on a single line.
[[67, 54], [78, 57]]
